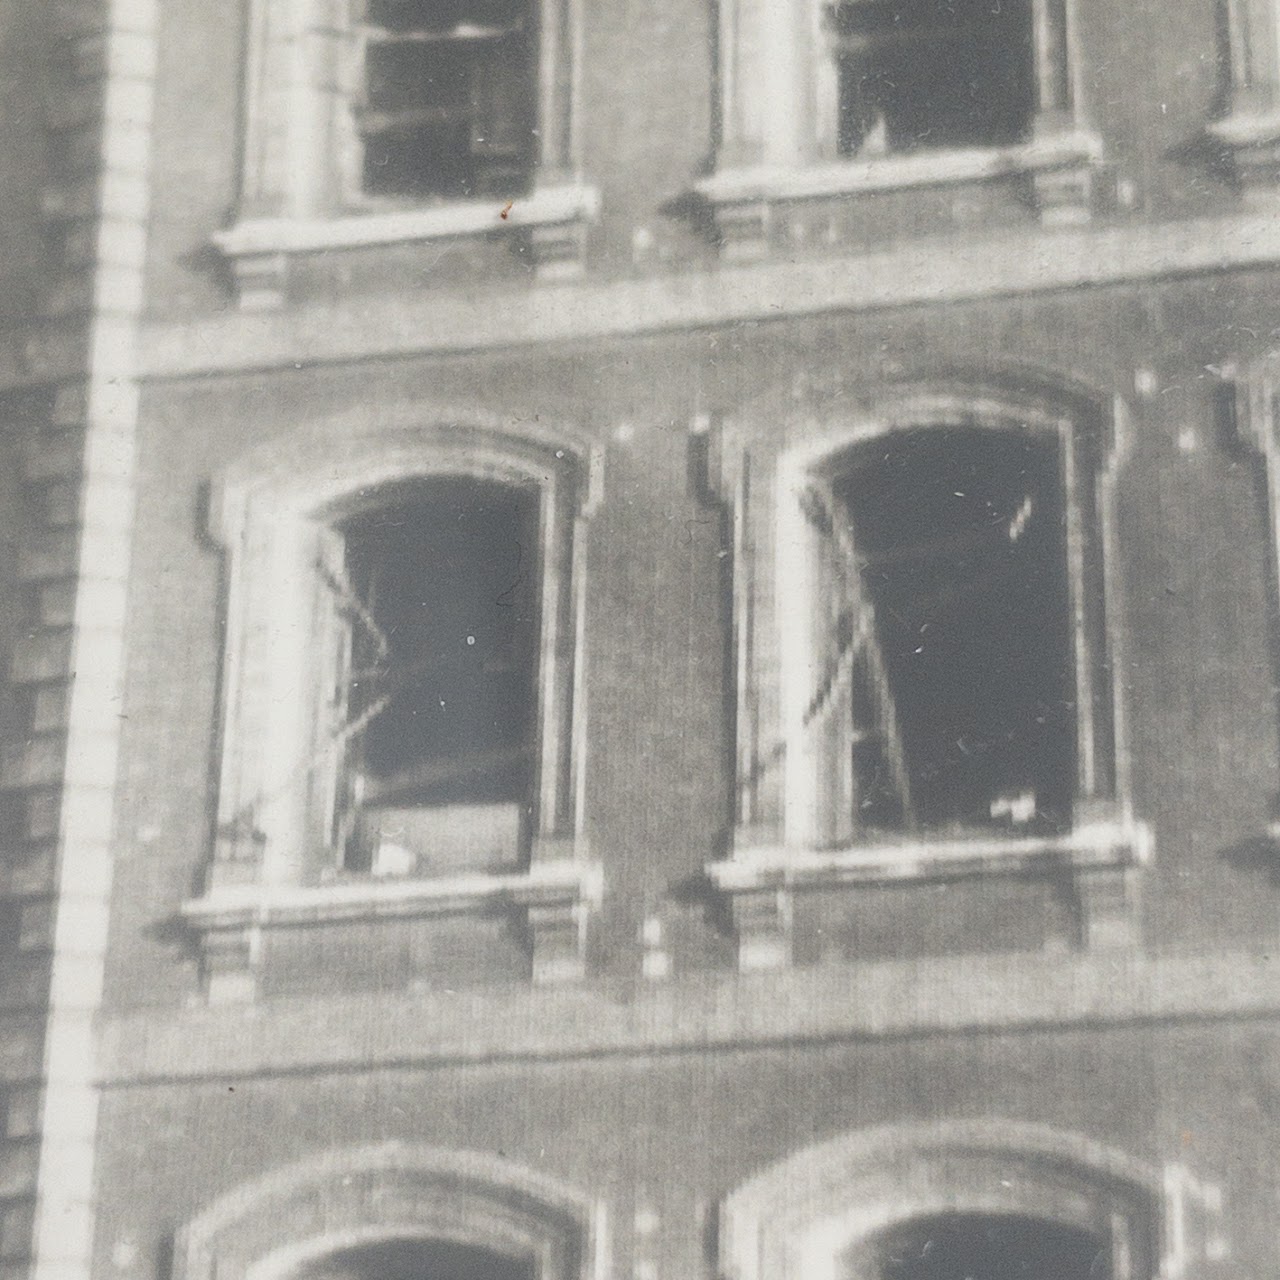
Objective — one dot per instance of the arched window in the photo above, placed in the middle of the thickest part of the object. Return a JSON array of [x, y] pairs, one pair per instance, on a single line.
[[948, 1200], [392, 1211], [400, 735], [926, 653], [416, 1260], [962, 1246]]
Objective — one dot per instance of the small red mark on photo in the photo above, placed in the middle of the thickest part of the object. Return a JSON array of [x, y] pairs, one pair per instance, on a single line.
[[506, 210]]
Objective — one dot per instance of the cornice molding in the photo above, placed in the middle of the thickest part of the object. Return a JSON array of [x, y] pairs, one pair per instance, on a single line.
[[700, 1012], [952, 269]]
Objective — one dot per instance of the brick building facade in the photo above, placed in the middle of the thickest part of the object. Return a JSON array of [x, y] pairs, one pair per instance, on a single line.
[[639, 640]]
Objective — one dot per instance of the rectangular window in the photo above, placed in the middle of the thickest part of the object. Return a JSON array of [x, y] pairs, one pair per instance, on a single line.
[[448, 98], [956, 617], [926, 74], [436, 694]]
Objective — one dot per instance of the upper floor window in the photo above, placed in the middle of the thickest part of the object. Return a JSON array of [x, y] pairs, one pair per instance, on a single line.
[[1248, 118], [917, 74], [401, 731], [950, 635], [836, 97], [447, 106], [435, 705], [925, 648], [374, 122]]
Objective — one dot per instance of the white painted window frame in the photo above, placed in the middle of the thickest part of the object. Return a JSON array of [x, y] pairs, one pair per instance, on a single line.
[[786, 839], [799, 1219], [777, 127], [300, 189], [274, 511]]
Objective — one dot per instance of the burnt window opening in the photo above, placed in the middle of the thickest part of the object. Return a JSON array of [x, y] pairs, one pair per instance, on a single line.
[[417, 1260], [960, 549], [957, 1246], [448, 103], [925, 74], [438, 680]]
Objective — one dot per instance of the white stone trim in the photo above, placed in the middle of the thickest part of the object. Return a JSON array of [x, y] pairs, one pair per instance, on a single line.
[[64, 1223], [1095, 844], [934, 271], [798, 1218], [566, 202], [895, 172], [264, 1229], [956, 995], [281, 905]]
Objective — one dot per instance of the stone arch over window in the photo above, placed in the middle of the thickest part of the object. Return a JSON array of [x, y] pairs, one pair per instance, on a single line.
[[849, 512], [823, 1213], [304, 684], [295, 1220]]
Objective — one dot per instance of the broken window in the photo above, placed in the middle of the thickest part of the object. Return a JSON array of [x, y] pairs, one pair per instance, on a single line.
[[924, 74], [435, 700], [448, 101], [946, 693], [954, 1246]]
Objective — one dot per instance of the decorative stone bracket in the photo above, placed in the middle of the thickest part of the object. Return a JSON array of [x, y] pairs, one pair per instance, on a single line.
[[554, 898], [550, 224], [1101, 858]]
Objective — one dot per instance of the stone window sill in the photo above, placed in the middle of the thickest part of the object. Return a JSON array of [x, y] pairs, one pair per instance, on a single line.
[[553, 218], [1058, 166], [230, 920], [1100, 856], [1251, 140]]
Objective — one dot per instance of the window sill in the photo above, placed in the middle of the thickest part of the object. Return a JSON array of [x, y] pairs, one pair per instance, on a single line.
[[229, 921], [1251, 140], [554, 218], [1101, 844], [1058, 165], [1100, 856]]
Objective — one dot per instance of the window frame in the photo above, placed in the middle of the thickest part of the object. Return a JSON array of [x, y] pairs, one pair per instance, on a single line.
[[778, 131], [1246, 127], [784, 834], [300, 156], [273, 512]]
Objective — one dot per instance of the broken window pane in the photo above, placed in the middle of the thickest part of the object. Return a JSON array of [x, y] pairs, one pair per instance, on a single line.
[[959, 536], [922, 74], [444, 668], [448, 102]]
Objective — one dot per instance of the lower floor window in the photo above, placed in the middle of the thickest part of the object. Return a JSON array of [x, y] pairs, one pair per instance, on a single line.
[[984, 1247], [417, 1260]]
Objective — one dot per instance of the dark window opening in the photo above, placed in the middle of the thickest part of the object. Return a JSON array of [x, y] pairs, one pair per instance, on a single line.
[[987, 1247], [960, 541], [417, 1260], [448, 105], [443, 677], [923, 74]]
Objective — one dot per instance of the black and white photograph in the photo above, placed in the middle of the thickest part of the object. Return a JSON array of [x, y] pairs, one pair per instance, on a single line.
[[639, 639]]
